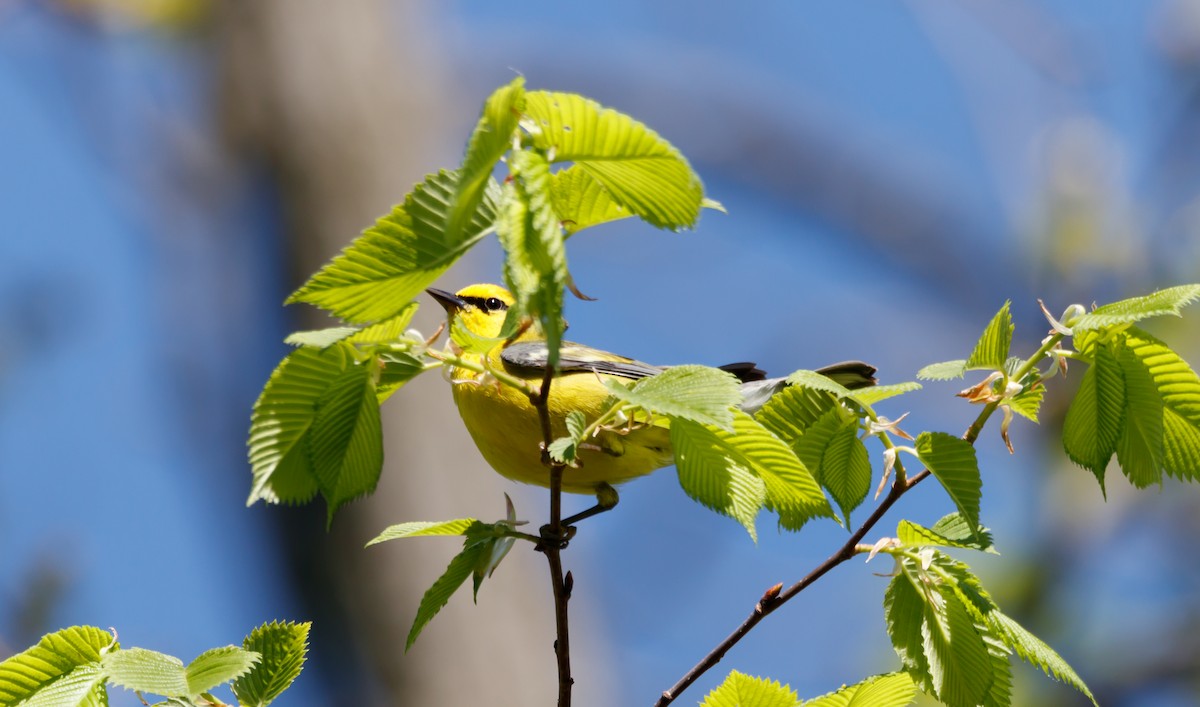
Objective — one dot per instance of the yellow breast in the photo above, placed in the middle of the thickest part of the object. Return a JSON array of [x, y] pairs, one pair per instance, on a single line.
[[505, 426]]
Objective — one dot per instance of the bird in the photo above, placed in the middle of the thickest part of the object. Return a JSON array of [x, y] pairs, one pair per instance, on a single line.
[[504, 423]]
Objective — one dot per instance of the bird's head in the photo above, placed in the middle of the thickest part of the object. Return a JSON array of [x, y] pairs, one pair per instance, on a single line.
[[481, 308]]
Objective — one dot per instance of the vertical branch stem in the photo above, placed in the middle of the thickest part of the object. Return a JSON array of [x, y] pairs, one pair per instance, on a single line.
[[562, 643], [552, 546]]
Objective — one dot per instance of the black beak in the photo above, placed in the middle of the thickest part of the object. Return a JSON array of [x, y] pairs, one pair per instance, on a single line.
[[449, 301]]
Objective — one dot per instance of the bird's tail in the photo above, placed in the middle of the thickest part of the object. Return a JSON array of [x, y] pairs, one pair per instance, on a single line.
[[746, 371], [851, 374]]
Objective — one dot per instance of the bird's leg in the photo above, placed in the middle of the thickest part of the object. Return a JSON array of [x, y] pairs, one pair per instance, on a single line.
[[606, 500]]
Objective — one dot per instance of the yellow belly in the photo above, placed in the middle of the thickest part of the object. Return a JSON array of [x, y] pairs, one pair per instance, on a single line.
[[505, 427]]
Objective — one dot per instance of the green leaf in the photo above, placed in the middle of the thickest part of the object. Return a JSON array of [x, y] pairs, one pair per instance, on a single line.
[[146, 671], [387, 331], [576, 424], [846, 468], [738, 472], [1028, 402], [939, 618], [345, 443], [461, 567], [283, 647], [392, 262], [1179, 389], [952, 530], [395, 370], [979, 604], [818, 381], [959, 660], [937, 639], [943, 371], [810, 445], [638, 169], [280, 422], [492, 137], [1181, 445], [952, 461], [82, 687], [791, 411], [1085, 341], [63, 665], [218, 666], [1000, 693], [1097, 414], [740, 690], [955, 527], [582, 202], [1157, 304], [321, 338], [889, 690], [535, 264], [565, 449], [417, 529], [384, 332], [991, 350], [875, 393], [957, 576], [493, 544], [948, 580], [792, 492], [697, 393], [905, 613], [1140, 446], [837, 458], [1034, 651], [495, 549], [713, 476]]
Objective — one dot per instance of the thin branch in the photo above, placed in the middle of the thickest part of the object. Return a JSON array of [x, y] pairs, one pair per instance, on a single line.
[[448, 358], [772, 600], [552, 545], [562, 645]]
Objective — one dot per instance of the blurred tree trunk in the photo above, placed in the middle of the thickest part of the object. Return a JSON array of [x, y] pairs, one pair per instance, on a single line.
[[347, 103]]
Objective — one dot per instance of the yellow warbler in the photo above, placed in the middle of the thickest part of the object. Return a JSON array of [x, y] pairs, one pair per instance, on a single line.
[[504, 422]]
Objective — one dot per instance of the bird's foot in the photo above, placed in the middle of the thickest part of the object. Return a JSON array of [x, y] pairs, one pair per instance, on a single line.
[[555, 537]]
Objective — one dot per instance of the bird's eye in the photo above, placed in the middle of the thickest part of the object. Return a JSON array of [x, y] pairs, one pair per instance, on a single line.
[[494, 304]]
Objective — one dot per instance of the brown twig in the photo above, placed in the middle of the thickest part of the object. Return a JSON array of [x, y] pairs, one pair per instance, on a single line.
[[552, 545], [773, 599]]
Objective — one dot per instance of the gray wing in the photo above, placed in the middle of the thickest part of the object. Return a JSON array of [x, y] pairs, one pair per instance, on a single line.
[[528, 358], [755, 394]]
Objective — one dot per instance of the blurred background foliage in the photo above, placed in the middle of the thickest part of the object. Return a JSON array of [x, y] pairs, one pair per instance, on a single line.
[[171, 169]]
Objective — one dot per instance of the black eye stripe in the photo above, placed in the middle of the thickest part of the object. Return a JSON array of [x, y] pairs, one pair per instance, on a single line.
[[489, 304]]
